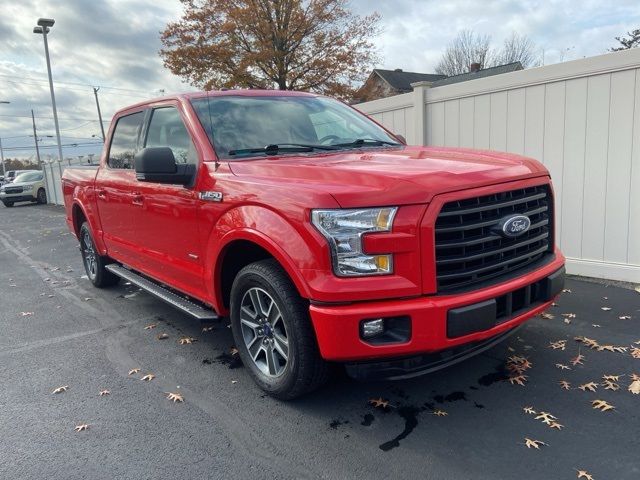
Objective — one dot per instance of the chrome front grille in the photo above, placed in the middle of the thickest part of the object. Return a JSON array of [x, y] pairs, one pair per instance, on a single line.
[[470, 250]]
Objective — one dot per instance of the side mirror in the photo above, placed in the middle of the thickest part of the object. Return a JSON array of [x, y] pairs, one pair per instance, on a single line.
[[401, 138], [158, 165]]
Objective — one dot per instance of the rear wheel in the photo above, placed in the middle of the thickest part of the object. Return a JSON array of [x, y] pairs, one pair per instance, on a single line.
[[94, 263], [41, 196], [273, 332]]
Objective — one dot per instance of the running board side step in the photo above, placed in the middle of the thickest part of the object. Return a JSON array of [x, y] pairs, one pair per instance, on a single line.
[[187, 306]]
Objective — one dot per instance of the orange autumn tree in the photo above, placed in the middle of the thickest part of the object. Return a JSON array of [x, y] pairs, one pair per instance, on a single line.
[[309, 45]]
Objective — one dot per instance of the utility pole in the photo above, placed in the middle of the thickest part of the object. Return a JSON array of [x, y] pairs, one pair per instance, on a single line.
[[95, 93], [4, 172], [35, 138]]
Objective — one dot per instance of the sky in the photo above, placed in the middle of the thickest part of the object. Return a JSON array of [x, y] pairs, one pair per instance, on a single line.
[[113, 44]]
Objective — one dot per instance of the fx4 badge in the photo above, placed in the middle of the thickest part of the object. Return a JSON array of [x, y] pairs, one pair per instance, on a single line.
[[211, 196]]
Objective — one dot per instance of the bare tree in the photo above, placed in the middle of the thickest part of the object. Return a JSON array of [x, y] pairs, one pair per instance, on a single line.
[[626, 43], [518, 48], [467, 48]]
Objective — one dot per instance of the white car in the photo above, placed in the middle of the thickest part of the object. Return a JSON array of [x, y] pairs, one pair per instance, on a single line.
[[26, 187]]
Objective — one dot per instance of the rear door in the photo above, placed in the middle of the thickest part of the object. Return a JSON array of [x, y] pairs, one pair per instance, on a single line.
[[115, 184], [167, 226]]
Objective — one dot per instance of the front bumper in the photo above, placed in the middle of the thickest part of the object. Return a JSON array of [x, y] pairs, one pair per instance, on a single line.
[[439, 322], [17, 197]]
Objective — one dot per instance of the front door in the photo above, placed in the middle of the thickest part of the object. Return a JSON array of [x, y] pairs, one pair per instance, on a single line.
[[166, 223]]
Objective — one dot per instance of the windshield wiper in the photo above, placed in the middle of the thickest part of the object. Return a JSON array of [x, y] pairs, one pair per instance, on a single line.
[[274, 148], [366, 141]]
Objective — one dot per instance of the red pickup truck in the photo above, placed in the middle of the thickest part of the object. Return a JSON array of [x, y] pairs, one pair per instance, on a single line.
[[321, 235]]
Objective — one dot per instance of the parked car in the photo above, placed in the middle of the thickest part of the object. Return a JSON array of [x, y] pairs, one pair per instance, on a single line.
[[27, 186], [319, 233]]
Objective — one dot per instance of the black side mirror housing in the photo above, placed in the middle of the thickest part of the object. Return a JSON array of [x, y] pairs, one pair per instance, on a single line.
[[158, 165]]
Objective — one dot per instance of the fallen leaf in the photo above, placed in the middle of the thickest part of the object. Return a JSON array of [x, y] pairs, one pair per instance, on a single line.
[[562, 366], [625, 317], [584, 474], [569, 315], [148, 377], [26, 314], [533, 443], [82, 427], [61, 389], [556, 426], [234, 381], [86, 299], [609, 385], [529, 410], [635, 387], [591, 386], [439, 413], [150, 326], [578, 360], [611, 378], [234, 351], [595, 325], [565, 385], [635, 352], [558, 345], [207, 329], [518, 379], [379, 403], [547, 316], [554, 304], [567, 321], [589, 342], [186, 340], [162, 336], [546, 418], [566, 290], [104, 393], [634, 377], [602, 405], [606, 309], [175, 397], [134, 371]]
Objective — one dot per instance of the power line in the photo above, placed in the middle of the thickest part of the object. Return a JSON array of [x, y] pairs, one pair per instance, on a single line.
[[74, 145], [73, 83]]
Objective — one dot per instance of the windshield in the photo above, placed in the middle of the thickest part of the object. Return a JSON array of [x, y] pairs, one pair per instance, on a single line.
[[28, 177], [238, 124]]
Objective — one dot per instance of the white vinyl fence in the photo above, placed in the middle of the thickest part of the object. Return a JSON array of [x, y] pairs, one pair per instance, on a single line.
[[53, 174], [580, 118]]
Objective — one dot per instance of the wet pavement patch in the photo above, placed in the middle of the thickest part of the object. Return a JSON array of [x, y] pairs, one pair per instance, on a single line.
[[367, 420], [231, 361], [410, 415], [336, 422]]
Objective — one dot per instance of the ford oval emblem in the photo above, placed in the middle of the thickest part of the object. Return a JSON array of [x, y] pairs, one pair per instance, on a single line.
[[514, 226]]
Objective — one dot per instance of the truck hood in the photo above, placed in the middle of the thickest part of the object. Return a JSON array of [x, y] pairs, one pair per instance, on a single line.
[[391, 176]]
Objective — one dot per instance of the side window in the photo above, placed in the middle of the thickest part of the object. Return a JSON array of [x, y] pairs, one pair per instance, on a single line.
[[125, 141], [167, 130]]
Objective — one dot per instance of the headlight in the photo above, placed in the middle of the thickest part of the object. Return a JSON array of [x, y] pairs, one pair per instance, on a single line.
[[343, 229], [27, 188]]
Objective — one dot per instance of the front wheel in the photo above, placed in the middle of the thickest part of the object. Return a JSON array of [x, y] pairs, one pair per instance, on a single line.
[[273, 332], [41, 197], [94, 263], [8, 204]]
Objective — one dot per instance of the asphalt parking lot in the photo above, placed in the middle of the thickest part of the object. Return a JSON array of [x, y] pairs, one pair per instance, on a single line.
[[57, 330]]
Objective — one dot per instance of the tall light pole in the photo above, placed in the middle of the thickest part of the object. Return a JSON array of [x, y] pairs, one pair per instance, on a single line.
[[2, 151], [95, 93], [44, 24]]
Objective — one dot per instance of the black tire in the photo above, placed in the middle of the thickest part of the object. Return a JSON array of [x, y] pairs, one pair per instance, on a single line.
[[41, 196], [96, 271], [8, 204], [304, 370]]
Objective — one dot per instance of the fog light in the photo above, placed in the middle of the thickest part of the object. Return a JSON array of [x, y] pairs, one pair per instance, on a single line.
[[372, 328]]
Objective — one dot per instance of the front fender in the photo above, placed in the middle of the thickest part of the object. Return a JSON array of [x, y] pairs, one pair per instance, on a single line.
[[270, 231]]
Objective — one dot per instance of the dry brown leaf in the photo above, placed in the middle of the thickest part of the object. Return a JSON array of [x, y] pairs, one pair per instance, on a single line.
[[186, 340], [529, 410], [624, 317], [595, 325], [533, 443], [556, 425], [82, 427], [569, 315], [546, 418], [26, 314], [558, 345], [379, 403], [602, 405], [578, 360], [133, 371], [148, 377], [566, 290], [584, 474], [567, 321], [635, 352], [150, 326], [175, 397], [234, 351], [606, 309], [634, 377], [591, 386], [61, 389], [611, 378], [439, 413], [564, 384], [547, 316], [104, 393], [609, 385], [517, 379], [162, 336], [589, 342], [562, 366], [635, 387], [207, 329]]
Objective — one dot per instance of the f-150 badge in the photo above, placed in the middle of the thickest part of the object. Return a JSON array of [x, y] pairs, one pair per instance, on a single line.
[[211, 196]]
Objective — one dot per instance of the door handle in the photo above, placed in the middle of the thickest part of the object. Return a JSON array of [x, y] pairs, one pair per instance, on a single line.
[[138, 198]]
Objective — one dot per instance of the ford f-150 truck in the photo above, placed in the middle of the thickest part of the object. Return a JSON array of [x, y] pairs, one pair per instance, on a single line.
[[321, 235]]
